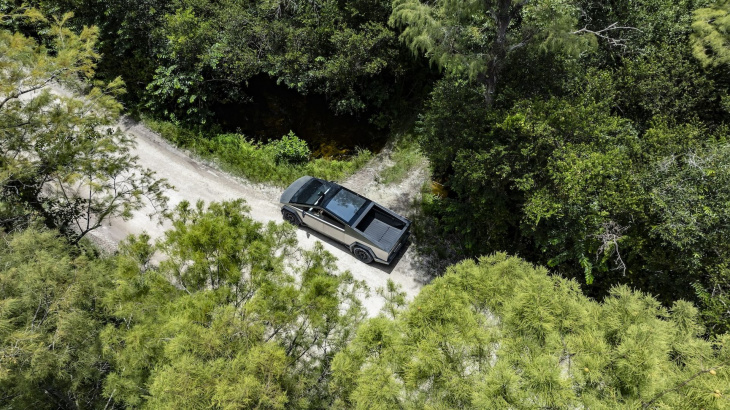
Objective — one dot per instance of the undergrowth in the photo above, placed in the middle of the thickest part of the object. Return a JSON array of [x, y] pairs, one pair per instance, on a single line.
[[405, 156], [254, 160]]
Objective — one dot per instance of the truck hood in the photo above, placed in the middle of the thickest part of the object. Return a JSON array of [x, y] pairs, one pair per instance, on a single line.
[[293, 188]]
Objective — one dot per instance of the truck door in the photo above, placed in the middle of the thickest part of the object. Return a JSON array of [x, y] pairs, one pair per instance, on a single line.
[[334, 227], [324, 223], [310, 218]]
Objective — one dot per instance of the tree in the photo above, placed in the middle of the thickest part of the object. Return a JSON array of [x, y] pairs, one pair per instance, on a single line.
[[51, 314], [688, 198], [711, 37], [60, 155], [224, 321], [196, 56], [500, 333], [563, 171], [476, 38]]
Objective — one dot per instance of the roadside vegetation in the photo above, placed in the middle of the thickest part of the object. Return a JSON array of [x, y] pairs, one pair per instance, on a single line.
[[271, 162], [406, 155], [500, 333], [80, 330], [114, 332], [590, 139]]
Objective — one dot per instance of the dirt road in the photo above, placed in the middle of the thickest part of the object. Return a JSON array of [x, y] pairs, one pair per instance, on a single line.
[[195, 180]]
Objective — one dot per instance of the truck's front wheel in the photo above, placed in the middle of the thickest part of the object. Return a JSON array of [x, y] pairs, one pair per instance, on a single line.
[[291, 218]]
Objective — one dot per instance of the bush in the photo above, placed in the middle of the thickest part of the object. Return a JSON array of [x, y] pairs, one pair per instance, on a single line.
[[256, 161], [291, 149]]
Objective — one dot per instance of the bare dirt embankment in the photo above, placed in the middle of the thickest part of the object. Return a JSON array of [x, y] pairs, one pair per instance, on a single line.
[[195, 180]]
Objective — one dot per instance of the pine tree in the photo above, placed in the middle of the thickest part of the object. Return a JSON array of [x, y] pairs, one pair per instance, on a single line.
[[225, 320], [50, 319], [476, 37], [711, 34], [499, 333]]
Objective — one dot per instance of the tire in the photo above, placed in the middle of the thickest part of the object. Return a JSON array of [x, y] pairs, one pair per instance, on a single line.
[[362, 254], [291, 217]]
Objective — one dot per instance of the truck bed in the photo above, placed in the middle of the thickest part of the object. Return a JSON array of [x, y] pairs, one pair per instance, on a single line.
[[381, 227]]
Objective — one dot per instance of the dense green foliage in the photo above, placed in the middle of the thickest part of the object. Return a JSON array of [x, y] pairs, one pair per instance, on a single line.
[[185, 56], [51, 315], [223, 321], [607, 166], [501, 334], [477, 38], [711, 39], [291, 149], [587, 136]]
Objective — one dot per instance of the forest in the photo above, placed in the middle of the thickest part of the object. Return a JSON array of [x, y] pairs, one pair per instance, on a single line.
[[583, 154]]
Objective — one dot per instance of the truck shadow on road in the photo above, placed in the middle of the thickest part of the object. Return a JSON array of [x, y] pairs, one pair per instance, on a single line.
[[379, 266]]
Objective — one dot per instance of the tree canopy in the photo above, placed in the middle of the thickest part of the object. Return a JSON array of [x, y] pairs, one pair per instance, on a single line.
[[184, 58], [710, 39], [225, 321], [476, 38], [589, 138], [51, 315], [595, 164], [80, 330], [500, 333]]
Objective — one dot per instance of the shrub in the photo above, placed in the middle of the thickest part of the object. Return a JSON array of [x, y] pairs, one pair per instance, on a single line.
[[291, 149], [256, 161]]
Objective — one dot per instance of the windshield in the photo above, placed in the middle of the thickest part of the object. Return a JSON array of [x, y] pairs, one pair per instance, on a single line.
[[345, 204], [310, 192]]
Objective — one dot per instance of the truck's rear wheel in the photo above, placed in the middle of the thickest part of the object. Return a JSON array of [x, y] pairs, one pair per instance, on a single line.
[[291, 218], [362, 254]]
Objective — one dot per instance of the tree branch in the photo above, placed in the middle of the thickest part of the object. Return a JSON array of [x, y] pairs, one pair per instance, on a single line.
[[684, 383], [29, 90], [601, 33]]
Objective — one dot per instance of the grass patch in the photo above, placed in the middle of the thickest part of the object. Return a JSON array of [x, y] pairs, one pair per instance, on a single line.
[[406, 156], [254, 160]]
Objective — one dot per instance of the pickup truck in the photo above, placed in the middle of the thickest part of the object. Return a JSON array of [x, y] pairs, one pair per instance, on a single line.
[[371, 231]]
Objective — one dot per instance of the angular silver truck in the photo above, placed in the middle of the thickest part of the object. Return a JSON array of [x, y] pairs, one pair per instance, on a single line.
[[371, 231]]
